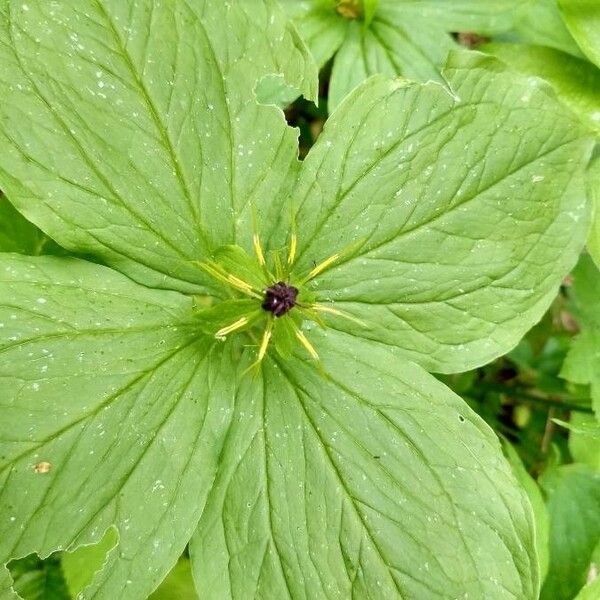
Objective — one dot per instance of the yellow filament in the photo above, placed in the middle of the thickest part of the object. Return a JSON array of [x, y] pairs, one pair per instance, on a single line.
[[321, 267], [293, 246], [240, 284], [265, 341], [309, 347], [218, 273], [258, 250], [337, 313], [222, 333]]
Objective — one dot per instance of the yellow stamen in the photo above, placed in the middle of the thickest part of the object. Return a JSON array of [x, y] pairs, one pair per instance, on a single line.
[[293, 238], [293, 246], [265, 340], [258, 250], [223, 332], [309, 347], [218, 273], [240, 284], [337, 313], [321, 267]]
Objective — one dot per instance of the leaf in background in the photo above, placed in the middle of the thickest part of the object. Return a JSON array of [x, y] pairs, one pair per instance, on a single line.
[[584, 440], [397, 37], [576, 81], [466, 211], [593, 244], [17, 234], [583, 20], [129, 129], [36, 579], [582, 364], [539, 22], [540, 510], [115, 410], [574, 507], [590, 591], [375, 481], [179, 584]]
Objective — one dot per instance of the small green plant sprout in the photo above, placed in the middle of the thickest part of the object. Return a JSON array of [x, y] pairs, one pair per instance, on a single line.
[[426, 230]]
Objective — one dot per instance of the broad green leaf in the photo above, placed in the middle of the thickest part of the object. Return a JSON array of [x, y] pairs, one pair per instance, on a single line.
[[466, 211], [129, 129], [37, 579], [582, 364], [574, 502], [374, 481], [583, 20], [391, 37], [17, 234], [178, 585], [114, 409], [576, 81], [540, 22], [540, 511], [584, 440]]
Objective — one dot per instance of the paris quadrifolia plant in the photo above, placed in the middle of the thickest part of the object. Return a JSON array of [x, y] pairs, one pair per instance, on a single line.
[[236, 353]]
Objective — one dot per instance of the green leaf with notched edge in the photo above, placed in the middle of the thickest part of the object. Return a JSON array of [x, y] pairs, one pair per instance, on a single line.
[[582, 17], [114, 411], [576, 81], [469, 210], [80, 566], [574, 502], [374, 481], [395, 37], [17, 234], [582, 364], [129, 129]]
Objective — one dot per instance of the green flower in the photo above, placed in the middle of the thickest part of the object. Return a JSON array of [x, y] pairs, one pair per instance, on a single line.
[[434, 225]]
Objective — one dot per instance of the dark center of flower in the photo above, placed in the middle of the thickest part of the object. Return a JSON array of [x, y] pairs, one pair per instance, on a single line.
[[280, 298]]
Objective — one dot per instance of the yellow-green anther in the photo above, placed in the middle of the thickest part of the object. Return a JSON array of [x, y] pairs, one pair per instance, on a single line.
[[258, 250], [293, 245], [225, 331], [337, 313], [321, 267], [309, 347], [265, 340]]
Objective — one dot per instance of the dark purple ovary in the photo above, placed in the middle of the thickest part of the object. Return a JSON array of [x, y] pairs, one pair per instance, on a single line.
[[280, 298]]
